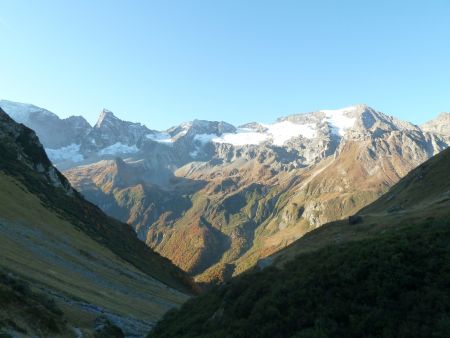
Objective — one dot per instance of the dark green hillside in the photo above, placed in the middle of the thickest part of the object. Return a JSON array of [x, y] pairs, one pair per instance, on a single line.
[[397, 285]]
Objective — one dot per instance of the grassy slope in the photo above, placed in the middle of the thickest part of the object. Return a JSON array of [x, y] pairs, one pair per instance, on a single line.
[[387, 276]]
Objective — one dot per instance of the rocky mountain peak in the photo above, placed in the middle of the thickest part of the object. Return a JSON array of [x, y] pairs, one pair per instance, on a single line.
[[353, 121], [106, 117], [368, 122]]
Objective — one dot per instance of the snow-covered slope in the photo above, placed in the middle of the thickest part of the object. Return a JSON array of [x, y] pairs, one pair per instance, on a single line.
[[22, 112]]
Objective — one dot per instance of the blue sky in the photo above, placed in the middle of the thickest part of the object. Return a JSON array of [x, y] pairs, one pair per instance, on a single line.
[[164, 62]]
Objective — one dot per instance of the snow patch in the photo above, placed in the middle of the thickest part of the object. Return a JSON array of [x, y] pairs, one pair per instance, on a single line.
[[161, 138], [278, 133], [194, 153], [285, 130], [243, 136], [68, 153], [119, 148], [338, 120], [205, 138]]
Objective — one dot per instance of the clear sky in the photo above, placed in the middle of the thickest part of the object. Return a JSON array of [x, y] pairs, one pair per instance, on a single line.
[[164, 62]]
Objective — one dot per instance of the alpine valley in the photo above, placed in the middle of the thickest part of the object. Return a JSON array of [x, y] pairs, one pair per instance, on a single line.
[[216, 199]]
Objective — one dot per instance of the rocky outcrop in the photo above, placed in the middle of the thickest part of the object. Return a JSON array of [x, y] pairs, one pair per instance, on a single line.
[[440, 125]]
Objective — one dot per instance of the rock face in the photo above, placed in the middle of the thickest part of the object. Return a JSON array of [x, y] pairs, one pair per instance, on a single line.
[[215, 198], [110, 133]]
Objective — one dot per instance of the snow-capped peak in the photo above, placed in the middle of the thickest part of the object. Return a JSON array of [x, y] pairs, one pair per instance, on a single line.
[[21, 112]]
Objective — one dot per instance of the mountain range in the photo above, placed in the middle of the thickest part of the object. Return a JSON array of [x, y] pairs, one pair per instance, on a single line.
[[217, 199]]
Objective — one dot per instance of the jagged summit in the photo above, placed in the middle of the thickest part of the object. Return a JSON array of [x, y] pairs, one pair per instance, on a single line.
[[106, 116]]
